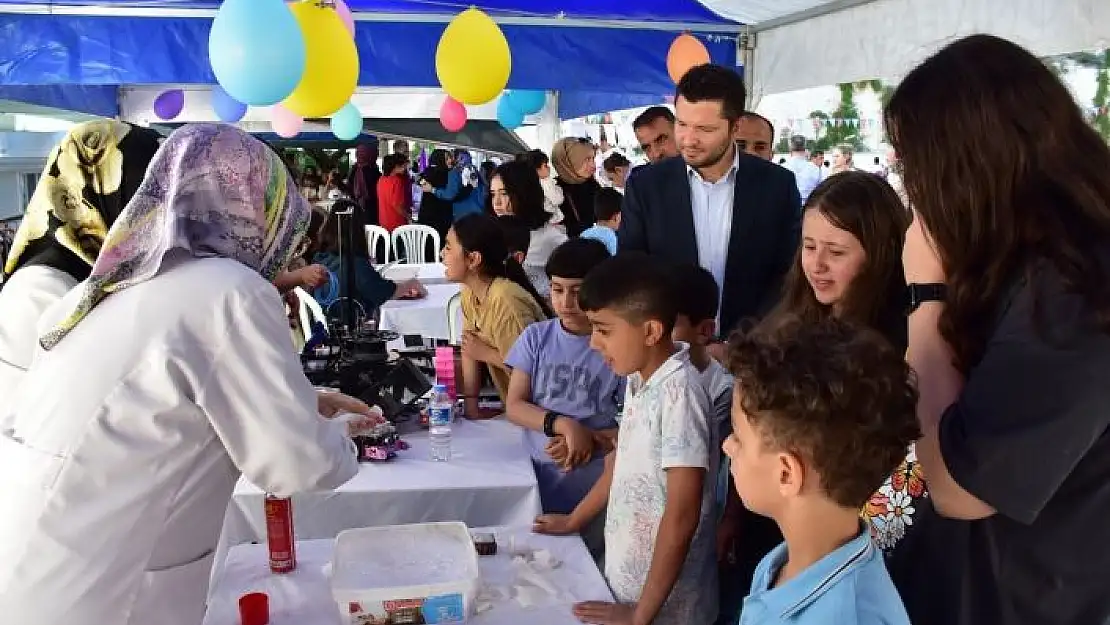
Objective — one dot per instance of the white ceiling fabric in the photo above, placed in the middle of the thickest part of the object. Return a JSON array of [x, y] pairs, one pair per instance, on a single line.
[[810, 43]]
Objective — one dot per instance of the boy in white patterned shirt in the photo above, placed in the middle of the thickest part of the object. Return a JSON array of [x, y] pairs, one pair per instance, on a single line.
[[660, 525]]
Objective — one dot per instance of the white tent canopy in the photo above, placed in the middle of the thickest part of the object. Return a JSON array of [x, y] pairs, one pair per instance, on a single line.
[[796, 44]]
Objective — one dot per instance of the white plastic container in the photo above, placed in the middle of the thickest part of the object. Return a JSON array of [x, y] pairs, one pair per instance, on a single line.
[[405, 574]]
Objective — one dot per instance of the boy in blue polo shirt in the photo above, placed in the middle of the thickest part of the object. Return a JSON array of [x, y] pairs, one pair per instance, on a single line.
[[822, 412]]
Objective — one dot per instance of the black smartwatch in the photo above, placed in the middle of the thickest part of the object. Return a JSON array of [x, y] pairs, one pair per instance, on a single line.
[[918, 294], [549, 423]]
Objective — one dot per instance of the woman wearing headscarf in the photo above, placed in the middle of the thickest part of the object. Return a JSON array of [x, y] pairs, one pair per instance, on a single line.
[[363, 183], [434, 211], [575, 166], [179, 374], [88, 179]]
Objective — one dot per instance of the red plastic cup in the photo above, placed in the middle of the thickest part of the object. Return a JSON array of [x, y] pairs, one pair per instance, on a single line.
[[254, 609]]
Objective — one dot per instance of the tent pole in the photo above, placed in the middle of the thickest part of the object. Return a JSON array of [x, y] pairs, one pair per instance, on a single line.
[[745, 56], [549, 129]]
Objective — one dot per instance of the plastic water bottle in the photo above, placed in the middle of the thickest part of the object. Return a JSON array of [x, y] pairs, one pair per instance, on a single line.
[[439, 423]]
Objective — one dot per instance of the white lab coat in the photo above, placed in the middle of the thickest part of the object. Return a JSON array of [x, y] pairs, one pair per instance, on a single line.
[[26, 295], [128, 438]]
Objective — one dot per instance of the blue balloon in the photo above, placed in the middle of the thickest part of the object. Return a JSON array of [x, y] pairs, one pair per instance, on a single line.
[[346, 124], [527, 101], [227, 108], [508, 115], [257, 50]]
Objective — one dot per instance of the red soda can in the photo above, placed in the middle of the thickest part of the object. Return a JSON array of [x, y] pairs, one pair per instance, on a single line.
[[279, 534]]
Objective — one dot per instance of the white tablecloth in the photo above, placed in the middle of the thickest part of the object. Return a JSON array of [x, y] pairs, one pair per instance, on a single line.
[[427, 273], [303, 597], [488, 481], [425, 317]]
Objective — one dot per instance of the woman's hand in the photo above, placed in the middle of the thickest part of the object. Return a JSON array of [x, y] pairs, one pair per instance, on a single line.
[[312, 277], [330, 404], [920, 260], [475, 348], [410, 289]]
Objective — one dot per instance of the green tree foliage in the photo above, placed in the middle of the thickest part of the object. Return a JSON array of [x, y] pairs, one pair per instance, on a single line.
[[1102, 97], [842, 125]]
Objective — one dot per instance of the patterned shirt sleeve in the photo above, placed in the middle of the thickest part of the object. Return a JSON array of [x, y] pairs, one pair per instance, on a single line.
[[687, 438]]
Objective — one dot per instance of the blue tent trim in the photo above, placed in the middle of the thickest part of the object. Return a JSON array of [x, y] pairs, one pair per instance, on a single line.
[[628, 65], [102, 100], [675, 11]]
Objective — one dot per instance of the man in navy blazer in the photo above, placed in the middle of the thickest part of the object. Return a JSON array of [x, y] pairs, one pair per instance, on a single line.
[[732, 213], [739, 217]]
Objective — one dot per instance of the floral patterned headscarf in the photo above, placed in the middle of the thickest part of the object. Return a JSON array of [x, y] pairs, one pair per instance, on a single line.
[[88, 179], [212, 190]]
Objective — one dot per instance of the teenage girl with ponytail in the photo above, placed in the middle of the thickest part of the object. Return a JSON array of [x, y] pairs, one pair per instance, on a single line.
[[498, 302]]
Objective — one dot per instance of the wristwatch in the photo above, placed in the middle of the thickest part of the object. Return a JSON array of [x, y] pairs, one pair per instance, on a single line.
[[927, 292], [549, 423]]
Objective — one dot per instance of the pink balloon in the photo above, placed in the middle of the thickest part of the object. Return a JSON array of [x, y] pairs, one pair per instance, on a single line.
[[452, 115], [285, 123], [344, 12]]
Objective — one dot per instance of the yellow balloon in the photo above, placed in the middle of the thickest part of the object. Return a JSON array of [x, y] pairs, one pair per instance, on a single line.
[[331, 63], [472, 59]]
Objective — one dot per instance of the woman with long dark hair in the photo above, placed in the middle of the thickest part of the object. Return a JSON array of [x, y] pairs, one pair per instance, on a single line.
[[515, 190], [434, 211], [1007, 261], [498, 302]]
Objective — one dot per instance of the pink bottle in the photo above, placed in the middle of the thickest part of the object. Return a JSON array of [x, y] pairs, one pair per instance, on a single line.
[[445, 369]]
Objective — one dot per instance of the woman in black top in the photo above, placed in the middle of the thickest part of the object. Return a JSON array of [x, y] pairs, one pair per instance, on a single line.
[[435, 212], [575, 166], [1012, 197]]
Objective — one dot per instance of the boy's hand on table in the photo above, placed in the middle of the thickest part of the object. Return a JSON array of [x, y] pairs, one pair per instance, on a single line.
[[605, 613], [556, 524]]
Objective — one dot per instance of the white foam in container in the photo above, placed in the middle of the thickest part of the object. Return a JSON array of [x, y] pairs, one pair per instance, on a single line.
[[392, 574]]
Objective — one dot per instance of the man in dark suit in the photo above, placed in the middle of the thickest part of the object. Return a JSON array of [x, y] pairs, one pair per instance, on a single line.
[[737, 216], [734, 214]]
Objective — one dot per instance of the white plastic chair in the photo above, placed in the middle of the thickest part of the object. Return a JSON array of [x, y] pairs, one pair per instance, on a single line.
[[310, 311], [414, 237], [454, 314], [376, 235]]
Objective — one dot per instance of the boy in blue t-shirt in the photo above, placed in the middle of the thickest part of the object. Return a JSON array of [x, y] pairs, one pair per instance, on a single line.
[[560, 391], [822, 412], [607, 211]]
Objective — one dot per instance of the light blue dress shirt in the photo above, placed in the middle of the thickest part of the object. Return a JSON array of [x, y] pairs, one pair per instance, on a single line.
[[712, 203], [850, 586]]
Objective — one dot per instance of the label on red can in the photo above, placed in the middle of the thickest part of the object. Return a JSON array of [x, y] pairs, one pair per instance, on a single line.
[[279, 534]]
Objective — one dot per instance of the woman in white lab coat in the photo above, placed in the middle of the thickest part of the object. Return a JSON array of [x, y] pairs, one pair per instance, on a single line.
[[165, 374], [88, 179]]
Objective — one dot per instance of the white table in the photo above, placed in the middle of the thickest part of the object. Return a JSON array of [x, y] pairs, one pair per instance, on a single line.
[[303, 597], [425, 317], [427, 273], [488, 481]]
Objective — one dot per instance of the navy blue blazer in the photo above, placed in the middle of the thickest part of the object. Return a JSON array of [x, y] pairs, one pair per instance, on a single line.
[[657, 218]]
